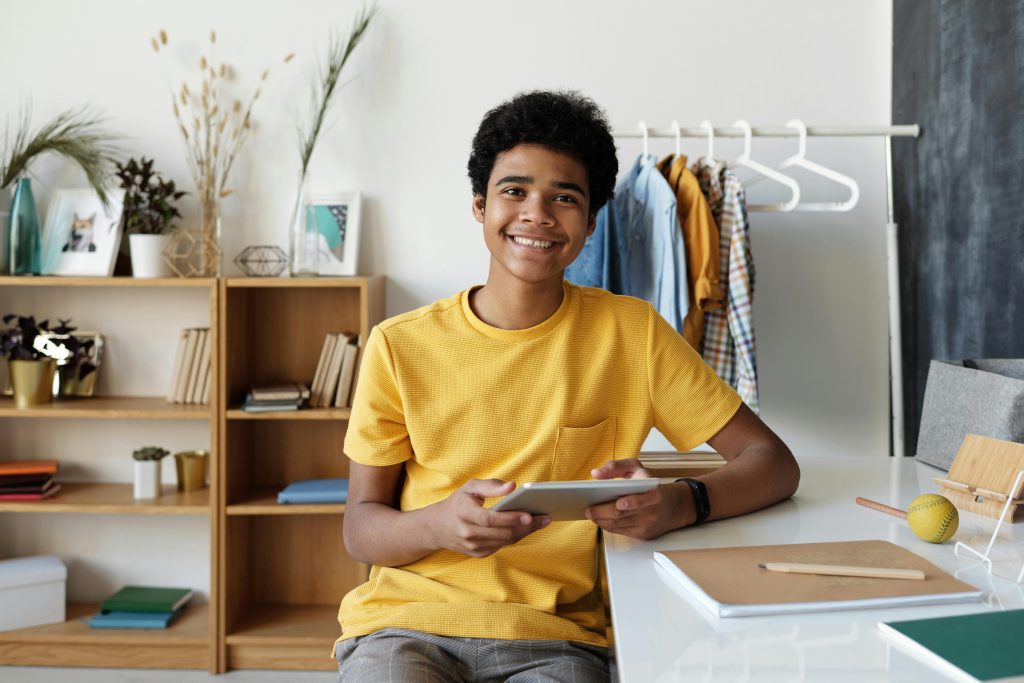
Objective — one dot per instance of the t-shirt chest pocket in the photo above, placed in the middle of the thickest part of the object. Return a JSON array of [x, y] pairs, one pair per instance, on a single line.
[[580, 449]]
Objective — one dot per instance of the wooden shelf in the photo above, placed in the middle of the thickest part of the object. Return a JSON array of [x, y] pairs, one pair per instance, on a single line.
[[265, 503], [110, 407], [299, 282], [58, 281], [301, 414], [115, 499], [287, 625], [185, 644]]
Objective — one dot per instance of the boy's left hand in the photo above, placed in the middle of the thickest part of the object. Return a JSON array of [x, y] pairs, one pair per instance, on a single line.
[[644, 515]]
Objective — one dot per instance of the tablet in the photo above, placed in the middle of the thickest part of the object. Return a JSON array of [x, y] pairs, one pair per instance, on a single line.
[[569, 500]]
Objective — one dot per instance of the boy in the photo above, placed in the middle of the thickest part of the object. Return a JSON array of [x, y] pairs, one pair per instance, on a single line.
[[526, 378]]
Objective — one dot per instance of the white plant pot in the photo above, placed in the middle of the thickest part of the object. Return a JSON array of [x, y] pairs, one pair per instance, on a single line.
[[148, 255], [147, 479]]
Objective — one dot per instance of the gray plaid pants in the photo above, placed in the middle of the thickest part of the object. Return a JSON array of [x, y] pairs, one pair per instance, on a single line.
[[395, 655]]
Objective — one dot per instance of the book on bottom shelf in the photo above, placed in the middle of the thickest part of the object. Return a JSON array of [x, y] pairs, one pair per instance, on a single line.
[[144, 620], [147, 599], [312, 491]]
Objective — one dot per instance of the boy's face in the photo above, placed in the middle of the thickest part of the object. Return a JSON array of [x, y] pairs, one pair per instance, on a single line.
[[536, 216]]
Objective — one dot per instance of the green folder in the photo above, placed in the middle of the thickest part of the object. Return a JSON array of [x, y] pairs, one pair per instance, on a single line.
[[970, 647], [146, 599]]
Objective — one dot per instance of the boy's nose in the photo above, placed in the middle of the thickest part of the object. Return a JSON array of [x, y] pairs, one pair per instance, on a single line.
[[536, 211]]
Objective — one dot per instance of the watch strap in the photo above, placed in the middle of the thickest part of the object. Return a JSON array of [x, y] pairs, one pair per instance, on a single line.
[[701, 502]]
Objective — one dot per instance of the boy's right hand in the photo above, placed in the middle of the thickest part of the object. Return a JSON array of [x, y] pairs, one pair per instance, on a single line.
[[464, 525]]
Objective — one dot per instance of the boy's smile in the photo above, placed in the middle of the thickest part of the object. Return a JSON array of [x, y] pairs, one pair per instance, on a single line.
[[536, 215]]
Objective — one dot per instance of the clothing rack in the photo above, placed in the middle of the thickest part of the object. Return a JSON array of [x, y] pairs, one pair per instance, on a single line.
[[706, 130]]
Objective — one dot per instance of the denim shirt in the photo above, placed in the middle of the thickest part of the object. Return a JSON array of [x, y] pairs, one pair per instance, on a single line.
[[637, 247]]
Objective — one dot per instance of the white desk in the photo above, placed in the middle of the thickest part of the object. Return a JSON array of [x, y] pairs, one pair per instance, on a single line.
[[661, 635]]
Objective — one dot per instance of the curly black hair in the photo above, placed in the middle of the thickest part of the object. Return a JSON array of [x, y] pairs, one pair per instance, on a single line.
[[563, 121]]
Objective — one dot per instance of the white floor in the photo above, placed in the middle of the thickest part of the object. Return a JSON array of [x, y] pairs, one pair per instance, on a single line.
[[35, 674]]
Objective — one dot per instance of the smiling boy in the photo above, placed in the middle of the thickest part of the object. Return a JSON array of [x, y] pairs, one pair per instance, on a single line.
[[526, 378]]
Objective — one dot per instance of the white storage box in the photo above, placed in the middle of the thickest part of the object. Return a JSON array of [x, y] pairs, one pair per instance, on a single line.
[[32, 591]]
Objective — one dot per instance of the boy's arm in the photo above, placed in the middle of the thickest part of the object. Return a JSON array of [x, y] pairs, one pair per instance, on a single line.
[[379, 533], [759, 471]]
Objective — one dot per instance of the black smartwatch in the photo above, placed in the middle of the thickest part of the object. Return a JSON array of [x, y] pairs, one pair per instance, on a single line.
[[700, 498]]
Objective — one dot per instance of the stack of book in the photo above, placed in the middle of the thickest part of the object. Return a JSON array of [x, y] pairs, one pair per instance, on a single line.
[[336, 372], [28, 479], [314, 491], [141, 607], [190, 378], [273, 397]]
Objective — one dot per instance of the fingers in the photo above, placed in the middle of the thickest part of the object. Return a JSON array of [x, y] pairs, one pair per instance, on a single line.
[[626, 506], [628, 468], [488, 488]]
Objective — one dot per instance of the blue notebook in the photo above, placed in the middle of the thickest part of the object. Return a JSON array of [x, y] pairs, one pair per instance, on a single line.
[[315, 491], [132, 620]]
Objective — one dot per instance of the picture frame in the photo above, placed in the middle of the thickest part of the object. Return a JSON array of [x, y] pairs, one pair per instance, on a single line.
[[81, 236], [332, 232]]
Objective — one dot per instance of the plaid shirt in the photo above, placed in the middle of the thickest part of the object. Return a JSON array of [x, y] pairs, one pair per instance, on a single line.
[[728, 345]]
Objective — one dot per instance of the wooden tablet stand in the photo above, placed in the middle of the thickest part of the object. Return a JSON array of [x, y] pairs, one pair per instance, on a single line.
[[982, 475]]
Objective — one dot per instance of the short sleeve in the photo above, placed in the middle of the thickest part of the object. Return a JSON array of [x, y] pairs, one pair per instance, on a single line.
[[377, 433], [691, 403]]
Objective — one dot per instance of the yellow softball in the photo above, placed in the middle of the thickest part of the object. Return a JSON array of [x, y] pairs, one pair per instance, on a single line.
[[932, 518]]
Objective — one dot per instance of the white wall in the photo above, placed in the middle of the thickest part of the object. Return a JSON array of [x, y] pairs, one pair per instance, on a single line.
[[428, 72]]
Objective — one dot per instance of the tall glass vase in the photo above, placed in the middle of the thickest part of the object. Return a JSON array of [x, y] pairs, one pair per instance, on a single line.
[[210, 251], [302, 254], [24, 235]]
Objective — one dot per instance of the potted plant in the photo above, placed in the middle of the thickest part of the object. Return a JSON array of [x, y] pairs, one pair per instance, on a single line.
[[149, 212], [26, 347], [147, 471]]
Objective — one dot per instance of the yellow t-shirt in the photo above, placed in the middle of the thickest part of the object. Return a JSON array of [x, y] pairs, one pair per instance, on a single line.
[[455, 399]]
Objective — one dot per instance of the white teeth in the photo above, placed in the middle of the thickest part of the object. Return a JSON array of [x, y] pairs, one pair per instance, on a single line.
[[531, 243]]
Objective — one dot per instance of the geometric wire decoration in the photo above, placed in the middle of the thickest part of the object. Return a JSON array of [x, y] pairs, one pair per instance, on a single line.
[[262, 261]]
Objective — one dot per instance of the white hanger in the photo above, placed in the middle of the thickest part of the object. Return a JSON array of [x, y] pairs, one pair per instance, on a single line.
[[799, 159], [646, 136], [679, 137], [706, 125], [745, 160]]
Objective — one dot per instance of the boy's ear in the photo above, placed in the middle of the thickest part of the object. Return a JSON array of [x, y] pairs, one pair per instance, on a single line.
[[591, 224], [478, 207]]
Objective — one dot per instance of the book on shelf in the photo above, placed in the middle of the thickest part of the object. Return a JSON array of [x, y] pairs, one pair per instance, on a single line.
[[968, 647], [40, 487], [312, 491], [28, 467], [346, 373], [280, 391], [25, 479], [41, 495], [188, 358], [317, 385], [355, 373], [195, 370], [147, 599], [204, 369], [729, 583], [333, 371], [251, 405], [141, 620], [179, 358]]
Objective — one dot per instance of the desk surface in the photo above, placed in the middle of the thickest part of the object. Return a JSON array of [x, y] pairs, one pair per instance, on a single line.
[[661, 635]]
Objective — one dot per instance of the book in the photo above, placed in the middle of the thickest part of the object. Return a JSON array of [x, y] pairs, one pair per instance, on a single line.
[[179, 357], [251, 405], [36, 467], [316, 387], [968, 647], [346, 374], [202, 369], [47, 484], [132, 619], [729, 583], [146, 599], [315, 491], [191, 337], [282, 391], [333, 371], [48, 493], [197, 359], [24, 479]]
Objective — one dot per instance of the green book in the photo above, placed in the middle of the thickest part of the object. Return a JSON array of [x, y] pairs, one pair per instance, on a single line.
[[970, 647], [146, 599]]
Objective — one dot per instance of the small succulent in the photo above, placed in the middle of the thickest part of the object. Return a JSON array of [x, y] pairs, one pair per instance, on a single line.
[[148, 198], [150, 453], [31, 340]]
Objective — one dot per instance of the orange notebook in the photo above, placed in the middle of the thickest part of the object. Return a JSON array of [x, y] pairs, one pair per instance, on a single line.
[[29, 467]]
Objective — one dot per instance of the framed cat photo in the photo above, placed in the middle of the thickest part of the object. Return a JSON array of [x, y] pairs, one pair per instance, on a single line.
[[81, 235]]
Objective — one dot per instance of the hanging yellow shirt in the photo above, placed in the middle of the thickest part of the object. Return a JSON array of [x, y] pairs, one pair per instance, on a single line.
[[454, 399]]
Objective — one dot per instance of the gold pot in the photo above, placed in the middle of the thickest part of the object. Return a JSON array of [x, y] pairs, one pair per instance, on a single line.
[[32, 381], [192, 468]]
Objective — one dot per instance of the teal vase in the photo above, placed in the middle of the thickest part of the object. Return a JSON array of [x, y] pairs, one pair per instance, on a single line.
[[24, 249]]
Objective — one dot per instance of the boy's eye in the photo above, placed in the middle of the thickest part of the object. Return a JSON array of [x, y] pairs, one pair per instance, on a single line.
[[513, 191], [566, 198]]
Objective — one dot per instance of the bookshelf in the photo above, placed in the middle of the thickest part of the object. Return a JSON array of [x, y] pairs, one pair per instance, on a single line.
[[277, 572], [283, 568], [190, 642]]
